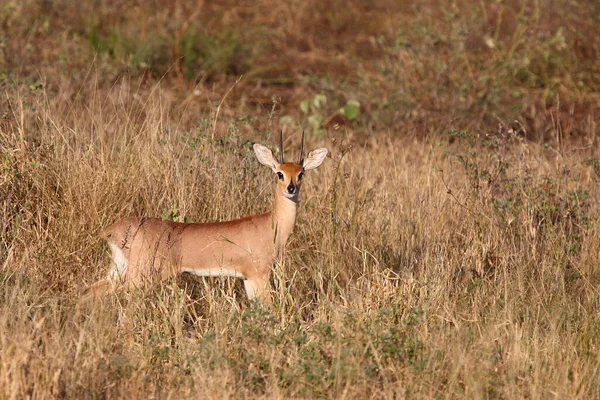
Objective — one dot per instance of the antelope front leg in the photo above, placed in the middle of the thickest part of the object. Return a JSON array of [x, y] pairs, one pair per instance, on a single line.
[[257, 289]]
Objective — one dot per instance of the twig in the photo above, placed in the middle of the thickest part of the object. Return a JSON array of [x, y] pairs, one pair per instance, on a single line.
[[221, 103], [449, 191]]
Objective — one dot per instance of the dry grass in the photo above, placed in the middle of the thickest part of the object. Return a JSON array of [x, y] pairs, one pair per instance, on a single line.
[[393, 286], [438, 253]]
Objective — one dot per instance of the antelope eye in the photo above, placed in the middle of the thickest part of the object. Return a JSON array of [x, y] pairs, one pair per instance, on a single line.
[[300, 176], [280, 176]]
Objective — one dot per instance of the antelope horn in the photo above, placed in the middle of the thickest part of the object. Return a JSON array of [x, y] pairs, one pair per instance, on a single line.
[[281, 146], [301, 148]]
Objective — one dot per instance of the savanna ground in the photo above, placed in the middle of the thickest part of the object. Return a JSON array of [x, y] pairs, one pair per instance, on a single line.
[[449, 248]]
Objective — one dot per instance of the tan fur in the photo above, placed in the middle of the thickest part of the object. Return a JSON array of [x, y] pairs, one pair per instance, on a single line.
[[145, 248]]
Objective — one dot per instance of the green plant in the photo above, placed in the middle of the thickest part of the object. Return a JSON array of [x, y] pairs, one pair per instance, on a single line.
[[172, 214], [316, 112], [313, 109]]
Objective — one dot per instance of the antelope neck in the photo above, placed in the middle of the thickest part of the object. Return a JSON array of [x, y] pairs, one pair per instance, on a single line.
[[284, 219]]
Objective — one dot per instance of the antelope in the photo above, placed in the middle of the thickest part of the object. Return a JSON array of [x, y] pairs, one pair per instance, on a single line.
[[245, 248]]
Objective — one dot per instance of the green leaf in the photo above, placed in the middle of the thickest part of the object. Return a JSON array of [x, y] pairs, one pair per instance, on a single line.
[[170, 215], [319, 100], [305, 106], [286, 120], [36, 86], [315, 122], [351, 109]]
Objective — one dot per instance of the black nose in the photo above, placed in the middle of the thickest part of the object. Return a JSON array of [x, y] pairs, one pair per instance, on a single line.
[[291, 188]]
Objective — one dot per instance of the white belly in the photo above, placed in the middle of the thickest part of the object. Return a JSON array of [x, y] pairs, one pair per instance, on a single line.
[[213, 272]]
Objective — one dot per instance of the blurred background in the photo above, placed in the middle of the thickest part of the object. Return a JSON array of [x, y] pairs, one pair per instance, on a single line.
[[405, 68]]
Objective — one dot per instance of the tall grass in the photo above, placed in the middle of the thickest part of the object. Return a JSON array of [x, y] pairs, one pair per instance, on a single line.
[[461, 266], [449, 247]]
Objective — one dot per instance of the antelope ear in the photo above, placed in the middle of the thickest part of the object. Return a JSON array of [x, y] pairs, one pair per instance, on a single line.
[[315, 158], [265, 156]]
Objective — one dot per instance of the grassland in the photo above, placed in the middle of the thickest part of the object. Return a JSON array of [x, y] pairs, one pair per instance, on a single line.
[[449, 248]]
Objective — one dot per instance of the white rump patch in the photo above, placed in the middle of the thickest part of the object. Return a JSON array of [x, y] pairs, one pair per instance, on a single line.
[[214, 272], [119, 264]]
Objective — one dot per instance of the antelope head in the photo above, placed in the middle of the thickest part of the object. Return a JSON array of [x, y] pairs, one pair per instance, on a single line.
[[289, 174]]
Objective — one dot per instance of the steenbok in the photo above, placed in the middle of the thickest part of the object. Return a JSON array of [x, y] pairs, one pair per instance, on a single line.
[[244, 248]]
